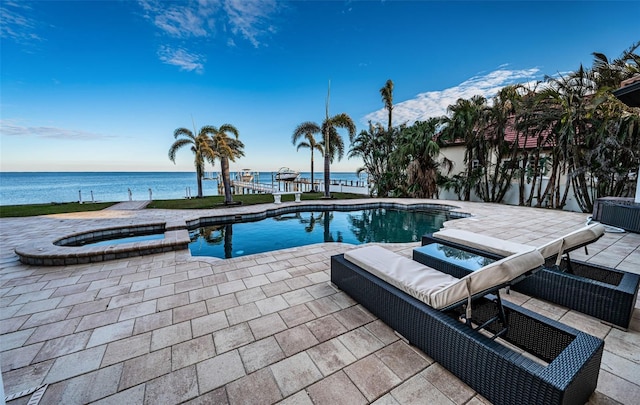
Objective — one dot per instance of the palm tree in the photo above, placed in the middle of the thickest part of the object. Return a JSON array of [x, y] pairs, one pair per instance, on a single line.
[[200, 146], [387, 98], [333, 144], [463, 124], [307, 130], [616, 153], [416, 153], [370, 146], [332, 141], [609, 74], [499, 117], [226, 149]]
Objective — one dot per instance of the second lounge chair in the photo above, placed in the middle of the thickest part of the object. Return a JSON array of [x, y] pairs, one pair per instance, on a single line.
[[602, 292]]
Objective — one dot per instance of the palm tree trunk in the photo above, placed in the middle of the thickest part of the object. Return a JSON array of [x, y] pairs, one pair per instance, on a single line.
[[327, 175], [521, 179], [226, 180], [312, 186], [327, 162], [467, 186], [552, 188], [534, 178], [199, 180]]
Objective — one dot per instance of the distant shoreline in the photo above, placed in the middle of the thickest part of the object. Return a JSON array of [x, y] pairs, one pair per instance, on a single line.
[[21, 188], [217, 170]]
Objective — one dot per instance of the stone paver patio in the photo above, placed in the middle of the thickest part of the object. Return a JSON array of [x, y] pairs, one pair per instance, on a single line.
[[268, 328]]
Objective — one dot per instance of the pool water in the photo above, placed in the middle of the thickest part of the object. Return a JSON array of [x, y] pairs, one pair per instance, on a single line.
[[305, 228], [127, 239]]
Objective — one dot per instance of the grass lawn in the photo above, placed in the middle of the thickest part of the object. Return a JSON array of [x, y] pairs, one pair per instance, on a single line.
[[193, 203], [243, 199], [50, 208]]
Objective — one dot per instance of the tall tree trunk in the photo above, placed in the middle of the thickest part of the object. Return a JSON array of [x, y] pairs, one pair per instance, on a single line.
[[467, 186], [534, 182], [562, 202], [199, 180], [327, 173], [486, 166], [312, 185], [525, 158], [521, 178], [551, 188], [226, 180]]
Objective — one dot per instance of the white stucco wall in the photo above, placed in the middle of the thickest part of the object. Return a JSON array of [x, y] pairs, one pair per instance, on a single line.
[[456, 155], [638, 188]]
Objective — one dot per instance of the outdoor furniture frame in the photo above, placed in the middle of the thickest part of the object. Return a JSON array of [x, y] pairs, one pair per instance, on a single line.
[[599, 291], [493, 369]]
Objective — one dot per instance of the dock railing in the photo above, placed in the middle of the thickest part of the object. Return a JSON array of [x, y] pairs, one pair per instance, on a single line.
[[255, 187]]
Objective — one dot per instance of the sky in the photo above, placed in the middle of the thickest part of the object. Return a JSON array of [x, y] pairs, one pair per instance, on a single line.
[[102, 85]]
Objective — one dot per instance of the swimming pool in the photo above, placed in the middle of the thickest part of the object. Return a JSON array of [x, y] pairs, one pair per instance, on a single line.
[[234, 239]]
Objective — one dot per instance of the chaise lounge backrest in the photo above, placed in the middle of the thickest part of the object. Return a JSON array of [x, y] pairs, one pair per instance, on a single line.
[[501, 247], [572, 241], [440, 290]]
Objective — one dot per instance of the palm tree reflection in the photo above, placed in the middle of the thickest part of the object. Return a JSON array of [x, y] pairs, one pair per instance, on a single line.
[[364, 226], [382, 225], [328, 236], [228, 241], [324, 217], [310, 223], [461, 255], [215, 235]]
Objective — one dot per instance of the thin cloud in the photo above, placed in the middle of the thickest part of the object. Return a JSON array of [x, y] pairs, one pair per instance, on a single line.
[[182, 20], [435, 103], [181, 58], [10, 128], [16, 24], [246, 19], [251, 18]]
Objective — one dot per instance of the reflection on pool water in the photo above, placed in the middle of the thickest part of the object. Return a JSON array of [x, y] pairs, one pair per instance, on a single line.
[[306, 228], [448, 254]]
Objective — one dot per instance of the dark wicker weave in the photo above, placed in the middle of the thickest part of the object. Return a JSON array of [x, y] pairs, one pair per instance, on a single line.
[[495, 371], [601, 292]]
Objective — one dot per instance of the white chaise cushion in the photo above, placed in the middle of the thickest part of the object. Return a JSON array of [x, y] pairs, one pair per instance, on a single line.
[[582, 236], [485, 243], [501, 247], [412, 277], [488, 277], [436, 289]]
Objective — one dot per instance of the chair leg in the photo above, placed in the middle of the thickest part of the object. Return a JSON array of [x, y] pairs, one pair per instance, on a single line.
[[569, 267], [500, 316]]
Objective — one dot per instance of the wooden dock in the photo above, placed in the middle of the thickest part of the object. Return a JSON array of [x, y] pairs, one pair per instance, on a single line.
[[246, 187]]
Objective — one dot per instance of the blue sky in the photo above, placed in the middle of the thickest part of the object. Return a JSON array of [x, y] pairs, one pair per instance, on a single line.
[[102, 85]]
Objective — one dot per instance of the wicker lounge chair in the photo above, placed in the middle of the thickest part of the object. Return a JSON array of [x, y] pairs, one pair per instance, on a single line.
[[440, 290], [432, 311], [604, 293], [553, 251]]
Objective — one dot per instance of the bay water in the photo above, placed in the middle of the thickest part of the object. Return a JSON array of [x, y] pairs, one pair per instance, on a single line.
[[17, 188]]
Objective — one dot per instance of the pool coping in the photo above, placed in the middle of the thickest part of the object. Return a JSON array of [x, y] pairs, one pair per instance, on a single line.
[[48, 252]]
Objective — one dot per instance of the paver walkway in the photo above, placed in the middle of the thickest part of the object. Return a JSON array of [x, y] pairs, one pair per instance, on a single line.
[[267, 328], [129, 205]]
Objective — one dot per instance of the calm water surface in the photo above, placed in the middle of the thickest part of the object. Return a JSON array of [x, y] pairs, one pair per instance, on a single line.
[[305, 228], [45, 187]]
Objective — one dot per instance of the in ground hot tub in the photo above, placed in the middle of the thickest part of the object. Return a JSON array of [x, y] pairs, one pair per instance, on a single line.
[[105, 244]]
